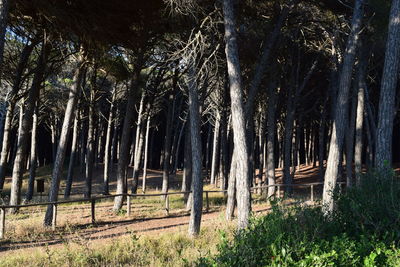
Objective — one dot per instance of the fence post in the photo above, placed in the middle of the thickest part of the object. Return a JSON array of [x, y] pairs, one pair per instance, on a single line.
[[93, 209], [312, 193], [167, 204], [128, 205], [279, 191], [207, 203], [2, 223], [54, 221]]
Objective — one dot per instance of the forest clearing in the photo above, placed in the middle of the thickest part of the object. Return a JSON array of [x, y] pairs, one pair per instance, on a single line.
[[199, 133]]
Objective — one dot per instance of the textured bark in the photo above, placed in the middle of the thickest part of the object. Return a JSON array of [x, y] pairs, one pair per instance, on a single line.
[[90, 142], [62, 145], [123, 158], [271, 132], [195, 139], [146, 152], [230, 204], [72, 159], [341, 109], [178, 145], [108, 150], [224, 162], [187, 171], [362, 84], [23, 135], [350, 141], [138, 158], [386, 113], [238, 116], [33, 157], [26, 52], [167, 145], [215, 150]]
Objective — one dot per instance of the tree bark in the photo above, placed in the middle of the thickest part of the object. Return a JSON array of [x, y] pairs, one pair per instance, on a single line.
[[72, 159], [62, 145], [167, 145], [33, 159], [238, 116], [271, 132], [350, 141], [362, 84], [336, 143], [215, 151], [107, 149], [146, 151], [187, 162], [195, 139], [383, 154]]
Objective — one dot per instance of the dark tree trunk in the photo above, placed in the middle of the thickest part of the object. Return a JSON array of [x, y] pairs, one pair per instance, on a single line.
[[195, 139], [124, 147], [167, 145], [72, 159], [33, 159], [146, 151], [187, 162], [215, 150], [386, 113]]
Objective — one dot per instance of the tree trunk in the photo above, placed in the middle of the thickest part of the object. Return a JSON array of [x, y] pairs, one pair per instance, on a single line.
[[91, 140], [72, 159], [238, 116], [4, 6], [195, 139], [107, 149], [350, 141], [20, 157], [33, 159], [138, 158], [336, 143], [215, 156], [271, 132], [187, 162], [167, 145], [62, 145], [362, 84], [123, 158], [146, 151], [386, 113]]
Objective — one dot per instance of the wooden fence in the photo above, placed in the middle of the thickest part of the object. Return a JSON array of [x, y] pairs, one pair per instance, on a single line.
[[93, 200]]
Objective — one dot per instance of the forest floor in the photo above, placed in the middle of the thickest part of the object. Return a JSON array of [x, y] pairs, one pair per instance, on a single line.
[[25, 232]]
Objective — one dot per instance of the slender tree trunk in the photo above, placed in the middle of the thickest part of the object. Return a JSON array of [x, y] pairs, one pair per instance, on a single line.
[[91, 140], [177, 150], [187, 162], [215, 156], [224, 164], [195, 139], [108, 149], [33, 159], [20, 157], [386, 113], [362, 84], [72, 159], [146, 151], [207, 152], [62, 145], [238, 116], [138, 159], [4, 6], [167, 145], [336, 143], [271, 132]]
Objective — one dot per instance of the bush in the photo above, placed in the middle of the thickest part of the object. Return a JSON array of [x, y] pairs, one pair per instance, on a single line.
[[363, 231]]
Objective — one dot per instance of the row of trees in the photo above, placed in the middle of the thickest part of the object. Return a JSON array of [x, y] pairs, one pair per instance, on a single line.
[[235, 89]]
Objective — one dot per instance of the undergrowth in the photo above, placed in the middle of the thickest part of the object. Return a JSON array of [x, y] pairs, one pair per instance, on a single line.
[[364, 230]]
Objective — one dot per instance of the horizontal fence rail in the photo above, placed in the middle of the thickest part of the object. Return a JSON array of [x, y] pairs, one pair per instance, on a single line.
[[93, 200]]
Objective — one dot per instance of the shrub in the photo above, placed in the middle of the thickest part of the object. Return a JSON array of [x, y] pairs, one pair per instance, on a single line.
[[363, 231]]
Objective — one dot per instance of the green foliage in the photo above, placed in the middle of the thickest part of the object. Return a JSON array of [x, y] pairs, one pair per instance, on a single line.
[[363, 231]]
